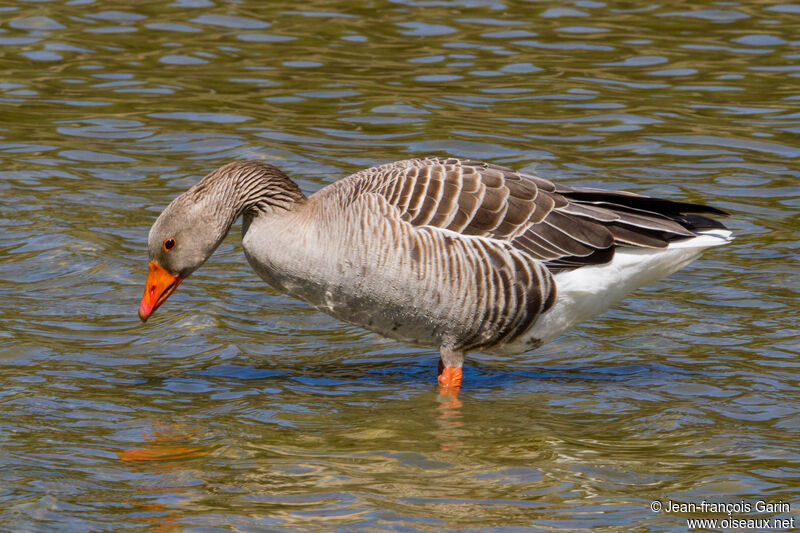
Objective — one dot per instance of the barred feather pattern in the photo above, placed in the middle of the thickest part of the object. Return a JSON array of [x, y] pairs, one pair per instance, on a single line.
[[563, 227]]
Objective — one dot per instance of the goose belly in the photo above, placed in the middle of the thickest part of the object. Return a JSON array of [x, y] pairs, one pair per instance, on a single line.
[[384, 312], [377, 290], [374, 304]]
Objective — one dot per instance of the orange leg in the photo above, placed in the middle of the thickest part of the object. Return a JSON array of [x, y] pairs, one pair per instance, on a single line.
[[449, 379]]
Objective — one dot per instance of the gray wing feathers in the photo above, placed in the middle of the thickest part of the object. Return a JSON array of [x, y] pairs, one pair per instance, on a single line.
[[561, 226]]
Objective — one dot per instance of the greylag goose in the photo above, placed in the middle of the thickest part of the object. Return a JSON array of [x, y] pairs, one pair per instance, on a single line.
[[460, 255]]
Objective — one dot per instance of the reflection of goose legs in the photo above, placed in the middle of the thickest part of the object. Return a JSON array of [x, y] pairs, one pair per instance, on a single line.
[[451, 432], [450, 370]]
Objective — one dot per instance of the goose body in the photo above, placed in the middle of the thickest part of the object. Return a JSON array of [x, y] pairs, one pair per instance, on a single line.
[[460, 255]]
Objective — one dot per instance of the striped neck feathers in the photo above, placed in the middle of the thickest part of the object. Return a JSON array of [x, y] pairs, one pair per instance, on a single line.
[[247, 188]]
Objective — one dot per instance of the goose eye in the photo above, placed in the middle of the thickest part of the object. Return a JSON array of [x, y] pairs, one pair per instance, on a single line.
[[169, 244]]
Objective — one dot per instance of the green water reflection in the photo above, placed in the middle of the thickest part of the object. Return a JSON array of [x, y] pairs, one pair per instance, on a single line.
[[237, 408]]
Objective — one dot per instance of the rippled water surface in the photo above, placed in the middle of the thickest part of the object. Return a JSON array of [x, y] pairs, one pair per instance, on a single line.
[[236, 408]]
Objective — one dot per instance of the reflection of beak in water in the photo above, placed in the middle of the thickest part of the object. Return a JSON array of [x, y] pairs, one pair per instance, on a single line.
[[164, 450], [449, 420], [169, 443]]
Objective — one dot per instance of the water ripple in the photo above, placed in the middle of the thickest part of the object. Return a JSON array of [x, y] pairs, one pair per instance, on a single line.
[[236, 407]]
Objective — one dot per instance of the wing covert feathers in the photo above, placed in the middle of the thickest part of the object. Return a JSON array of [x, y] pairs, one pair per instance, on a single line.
[[563, 227]]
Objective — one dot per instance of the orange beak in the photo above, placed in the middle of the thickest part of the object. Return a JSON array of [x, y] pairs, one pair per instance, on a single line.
[[160, 284]]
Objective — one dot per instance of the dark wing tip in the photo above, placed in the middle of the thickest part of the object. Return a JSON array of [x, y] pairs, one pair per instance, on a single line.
[[637, 201]]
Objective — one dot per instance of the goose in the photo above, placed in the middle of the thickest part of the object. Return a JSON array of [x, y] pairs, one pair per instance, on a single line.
[[455, 254]]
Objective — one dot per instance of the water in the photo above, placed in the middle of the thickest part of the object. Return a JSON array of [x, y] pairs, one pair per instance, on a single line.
[[236, 408]]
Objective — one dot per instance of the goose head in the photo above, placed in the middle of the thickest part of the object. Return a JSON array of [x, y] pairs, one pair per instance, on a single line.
[[191, 227], [183, 237]]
